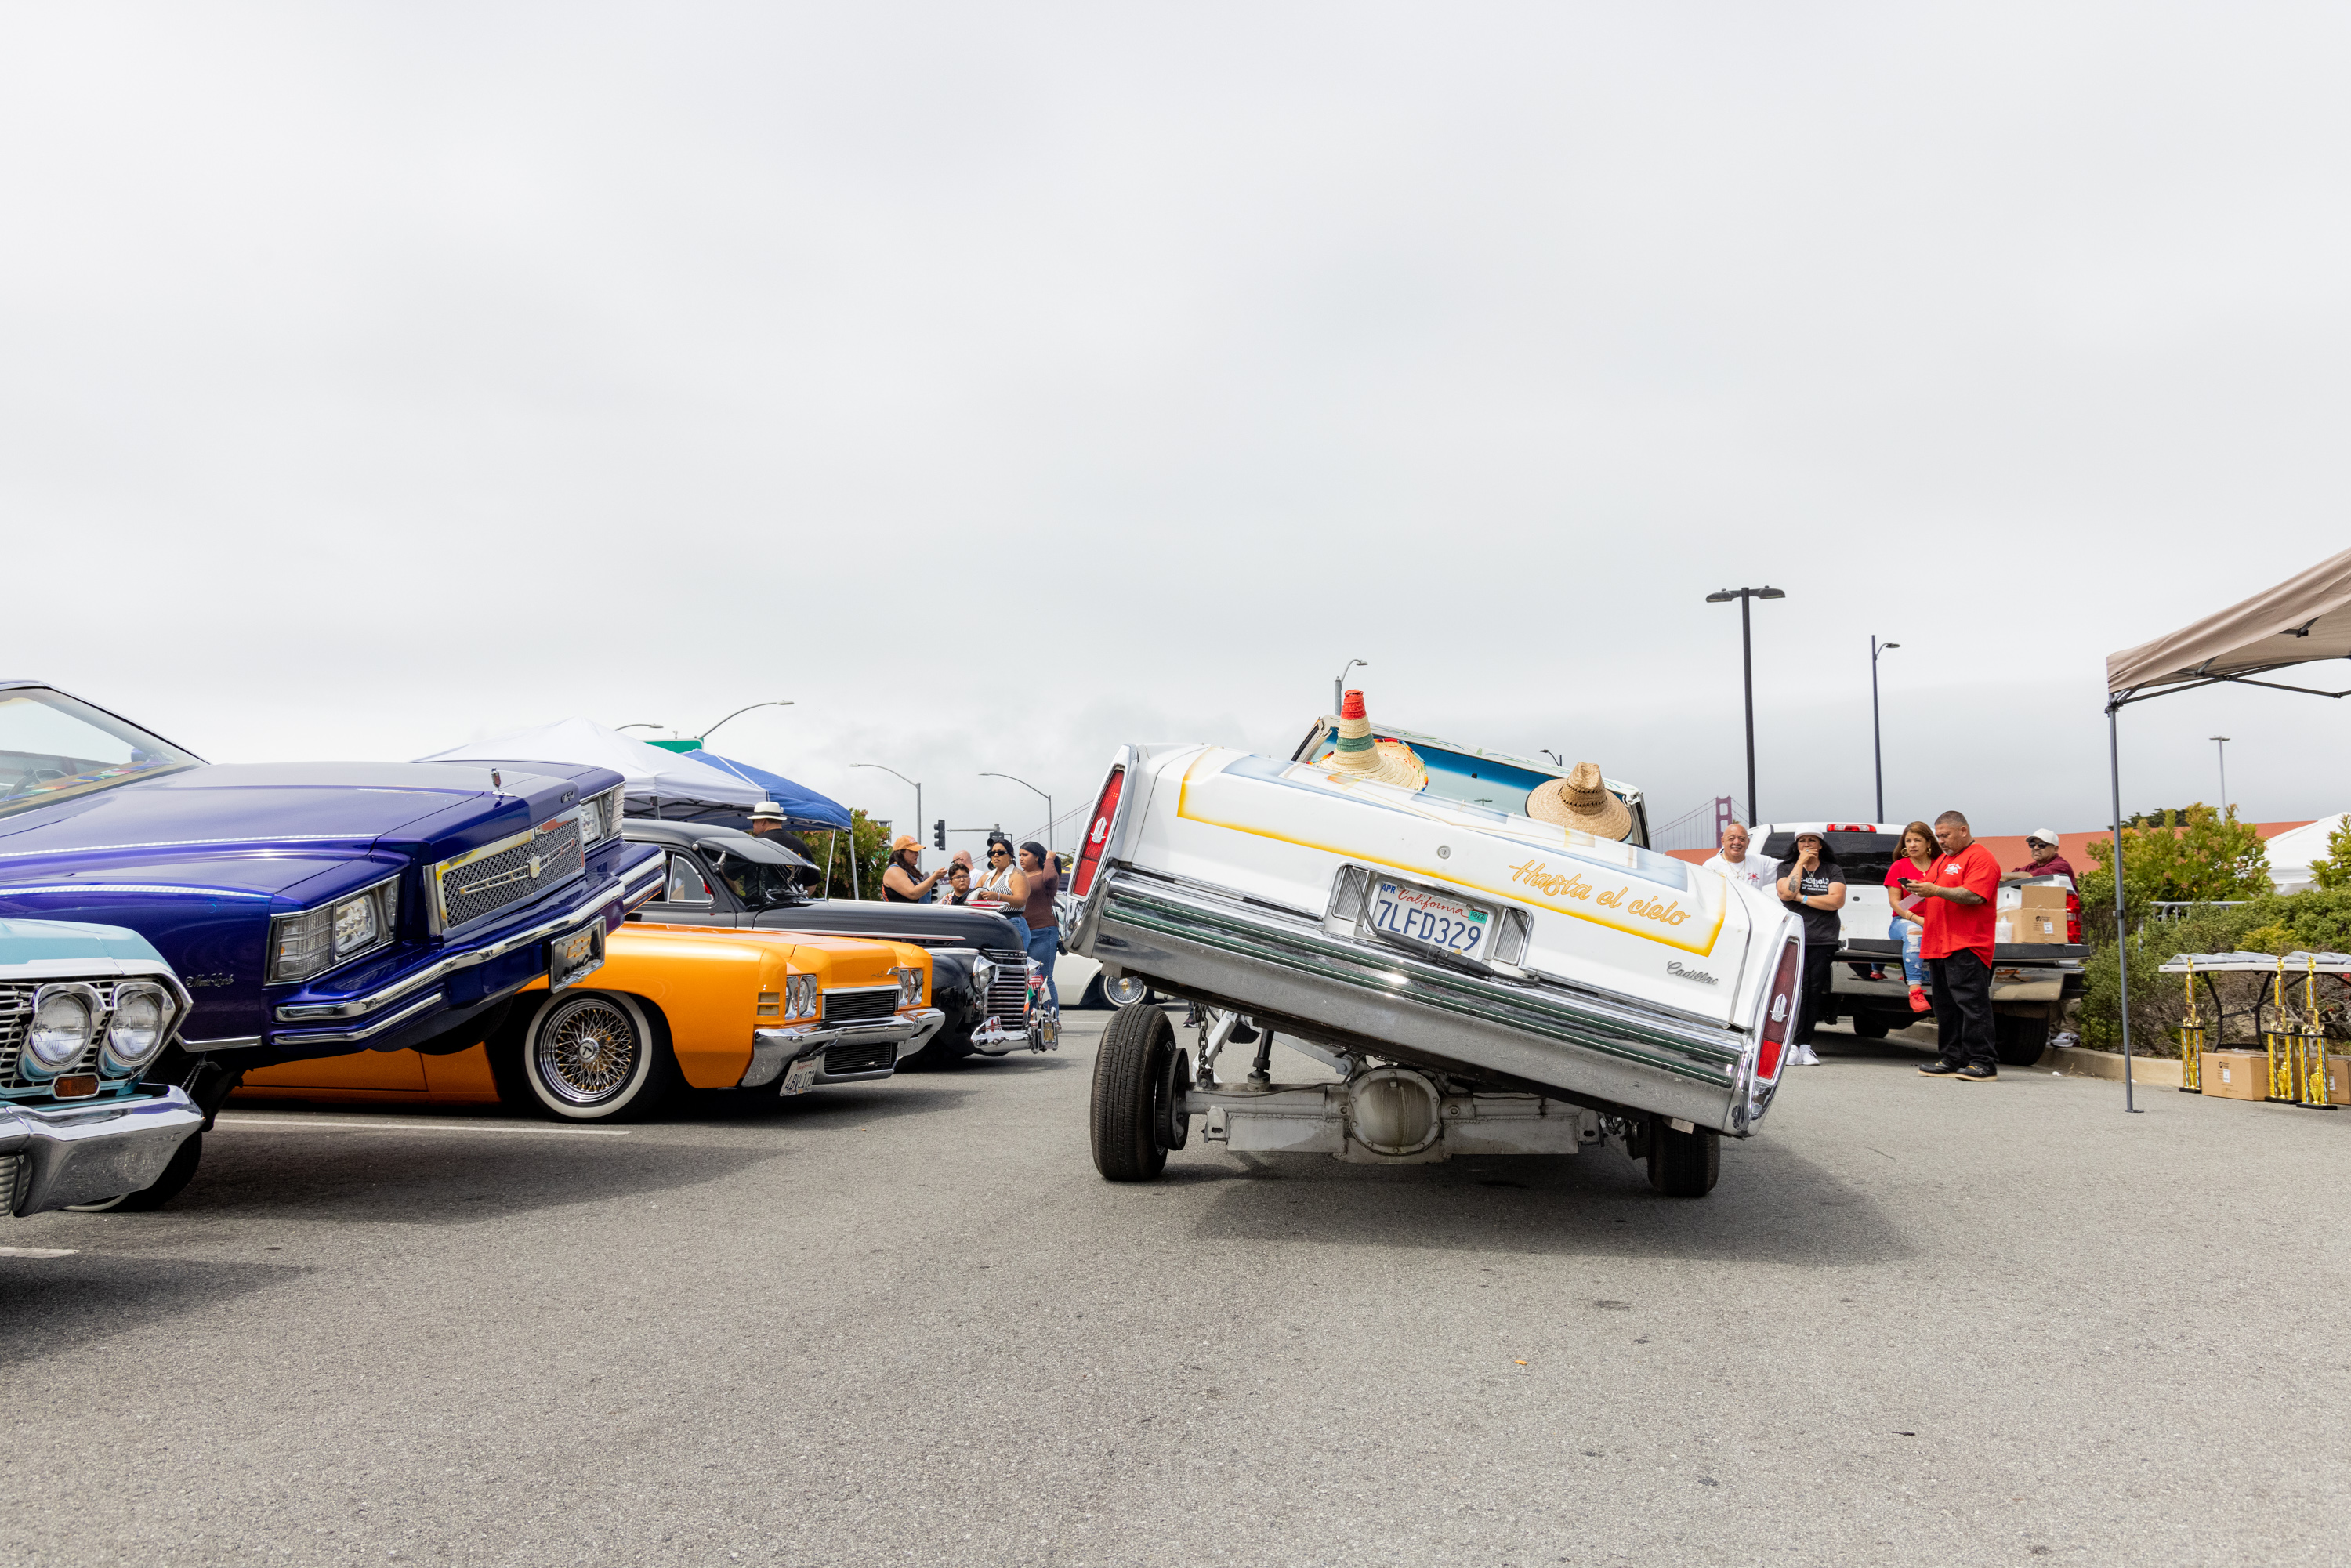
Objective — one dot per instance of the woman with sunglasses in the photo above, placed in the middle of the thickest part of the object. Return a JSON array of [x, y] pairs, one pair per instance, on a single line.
[[1002, 881]]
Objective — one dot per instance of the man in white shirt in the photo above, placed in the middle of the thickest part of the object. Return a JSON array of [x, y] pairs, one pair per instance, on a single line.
[[1734, 863]]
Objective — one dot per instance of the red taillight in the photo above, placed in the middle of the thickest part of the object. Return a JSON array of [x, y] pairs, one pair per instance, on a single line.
[[1082, 880], [1778, 1012], [2073, 918]]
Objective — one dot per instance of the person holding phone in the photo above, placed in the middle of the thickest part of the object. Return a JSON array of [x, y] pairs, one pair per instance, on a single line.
[[1812, 885], [1962, 894], [1914, 863]]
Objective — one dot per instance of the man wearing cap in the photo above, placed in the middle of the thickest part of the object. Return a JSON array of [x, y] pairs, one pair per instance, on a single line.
[[2042, 843], [898, 884], [1811, 884], [1962, 894]]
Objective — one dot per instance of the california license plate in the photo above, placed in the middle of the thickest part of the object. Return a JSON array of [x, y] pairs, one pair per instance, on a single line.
[[1424, 919], [800, 1076]]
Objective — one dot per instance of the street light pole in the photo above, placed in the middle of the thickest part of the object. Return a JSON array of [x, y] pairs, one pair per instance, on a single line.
[[1747, 668], [706, 734], [1048, 810], [1876, 741], [2222, 742], [904, 779], [1338, 684]]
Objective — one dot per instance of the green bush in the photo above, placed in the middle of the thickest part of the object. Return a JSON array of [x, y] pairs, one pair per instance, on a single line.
[[2316, 921], [871, 842]]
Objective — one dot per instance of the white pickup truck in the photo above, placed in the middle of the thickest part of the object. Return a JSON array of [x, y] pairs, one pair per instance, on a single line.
[[1476, 980], [2030, 982]]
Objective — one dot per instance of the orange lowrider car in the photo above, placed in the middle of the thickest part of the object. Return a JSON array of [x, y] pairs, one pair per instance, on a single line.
[[670, 1004]]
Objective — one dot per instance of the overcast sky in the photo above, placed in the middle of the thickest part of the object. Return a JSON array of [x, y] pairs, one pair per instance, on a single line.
[[1000, 383]]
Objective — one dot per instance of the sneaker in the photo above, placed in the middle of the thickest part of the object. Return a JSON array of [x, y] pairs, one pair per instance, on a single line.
[[1977, 1072], [1804, 1057], [1918, 1003], [1940, 1069]]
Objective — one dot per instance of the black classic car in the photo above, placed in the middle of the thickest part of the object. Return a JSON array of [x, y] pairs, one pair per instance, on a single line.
[[723, 876], [312, 909]]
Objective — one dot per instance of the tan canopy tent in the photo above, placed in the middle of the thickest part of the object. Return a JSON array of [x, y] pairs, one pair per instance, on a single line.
[[2304, 619]]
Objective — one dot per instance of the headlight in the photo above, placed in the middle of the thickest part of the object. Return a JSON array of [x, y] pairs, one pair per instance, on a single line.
[[64, 1018], [983, 975], [143, 1018], [910, 986], [600, 817], [316, 940], [800, 998]]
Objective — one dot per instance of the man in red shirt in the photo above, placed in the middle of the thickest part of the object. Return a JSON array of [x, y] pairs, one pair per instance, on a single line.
[[1962, 894]]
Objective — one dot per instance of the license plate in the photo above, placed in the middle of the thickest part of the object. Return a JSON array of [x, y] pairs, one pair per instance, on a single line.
[[1424, 919], [575, 955], [800, 1076]]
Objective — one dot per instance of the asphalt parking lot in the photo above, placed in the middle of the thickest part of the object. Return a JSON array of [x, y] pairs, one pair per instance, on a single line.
[[1918, 1322]]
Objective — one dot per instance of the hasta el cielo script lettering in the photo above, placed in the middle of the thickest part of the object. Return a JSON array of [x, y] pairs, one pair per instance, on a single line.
[[1535, 874]]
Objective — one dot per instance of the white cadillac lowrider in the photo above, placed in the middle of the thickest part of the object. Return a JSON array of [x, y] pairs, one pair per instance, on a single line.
[[1484, 982]]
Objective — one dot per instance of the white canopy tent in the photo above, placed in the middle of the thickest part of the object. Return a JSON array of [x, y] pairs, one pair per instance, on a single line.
[[2302, 620], [653, 775], [2291, 851]]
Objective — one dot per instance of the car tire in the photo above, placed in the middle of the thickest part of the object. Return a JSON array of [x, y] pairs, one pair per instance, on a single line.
[[593, 1056], [162, 1190], [1684, 1165], [1871, 1026], [2017, 1040], [1129, 1119]]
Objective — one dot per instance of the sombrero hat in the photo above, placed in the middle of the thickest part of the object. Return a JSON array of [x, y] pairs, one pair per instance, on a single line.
[[1581, 802], [1360, 757]]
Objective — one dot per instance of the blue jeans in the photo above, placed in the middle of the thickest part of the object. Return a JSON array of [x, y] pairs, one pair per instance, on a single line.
[[1042, 945], [1914, 967]]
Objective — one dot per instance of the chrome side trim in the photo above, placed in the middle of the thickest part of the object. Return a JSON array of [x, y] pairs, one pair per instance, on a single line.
[[227, 1042], [367, 1031]]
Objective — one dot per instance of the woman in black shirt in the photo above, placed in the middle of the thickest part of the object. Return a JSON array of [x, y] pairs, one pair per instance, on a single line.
[[1812, 885]]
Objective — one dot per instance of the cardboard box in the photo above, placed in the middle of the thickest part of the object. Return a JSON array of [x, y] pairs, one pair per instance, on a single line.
[[2338, 1080], [2236, 1074], [2042, 898], [2034, 925]]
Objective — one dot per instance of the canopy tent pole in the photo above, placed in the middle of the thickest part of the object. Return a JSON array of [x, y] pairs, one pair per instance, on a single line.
[[2122, 936], [831, 843], [852, 860]]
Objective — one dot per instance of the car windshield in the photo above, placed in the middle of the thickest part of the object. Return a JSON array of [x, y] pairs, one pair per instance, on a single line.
[[758, 884], [53, 748]]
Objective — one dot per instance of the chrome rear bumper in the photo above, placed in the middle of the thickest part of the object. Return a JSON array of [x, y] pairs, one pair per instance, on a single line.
[[65, 1155], [1282, 968]]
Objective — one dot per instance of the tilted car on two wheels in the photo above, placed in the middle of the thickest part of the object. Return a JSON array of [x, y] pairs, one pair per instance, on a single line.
[[1478, 980]]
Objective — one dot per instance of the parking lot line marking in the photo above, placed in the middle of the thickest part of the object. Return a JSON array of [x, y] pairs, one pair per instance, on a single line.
[[302, 1124], [38, 1251]]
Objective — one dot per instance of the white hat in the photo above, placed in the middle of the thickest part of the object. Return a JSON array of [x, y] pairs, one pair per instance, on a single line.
[[766, 812], [2042, 836]]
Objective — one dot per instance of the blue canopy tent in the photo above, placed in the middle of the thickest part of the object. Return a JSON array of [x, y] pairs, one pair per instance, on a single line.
[[803, 807]]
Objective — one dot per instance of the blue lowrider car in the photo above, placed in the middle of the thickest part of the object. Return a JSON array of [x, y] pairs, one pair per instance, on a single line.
[[84, 1011], [312, 909]]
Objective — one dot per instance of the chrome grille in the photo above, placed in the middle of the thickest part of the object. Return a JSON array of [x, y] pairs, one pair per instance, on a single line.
[[14, 1172], [859, 1007], [1008, 995], [867, 1056], [521, 868], [16, 1014]]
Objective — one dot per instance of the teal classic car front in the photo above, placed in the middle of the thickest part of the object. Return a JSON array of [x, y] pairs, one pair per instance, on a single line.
[[84, 1011]]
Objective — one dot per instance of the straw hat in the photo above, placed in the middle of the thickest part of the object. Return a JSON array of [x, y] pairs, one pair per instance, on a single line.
[[1360, 757], [1583, 803]]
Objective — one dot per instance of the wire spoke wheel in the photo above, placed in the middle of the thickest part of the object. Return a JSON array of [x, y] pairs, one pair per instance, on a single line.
[[587, 1051]]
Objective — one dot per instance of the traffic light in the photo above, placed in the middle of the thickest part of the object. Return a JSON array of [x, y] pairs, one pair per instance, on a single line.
[[939, 835]]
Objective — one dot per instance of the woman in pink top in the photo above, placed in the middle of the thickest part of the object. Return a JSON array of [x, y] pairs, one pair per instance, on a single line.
[[1916, 859]]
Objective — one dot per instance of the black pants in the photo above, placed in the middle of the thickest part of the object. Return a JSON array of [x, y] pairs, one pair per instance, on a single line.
[[1963, 1009], [1819, 960]]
